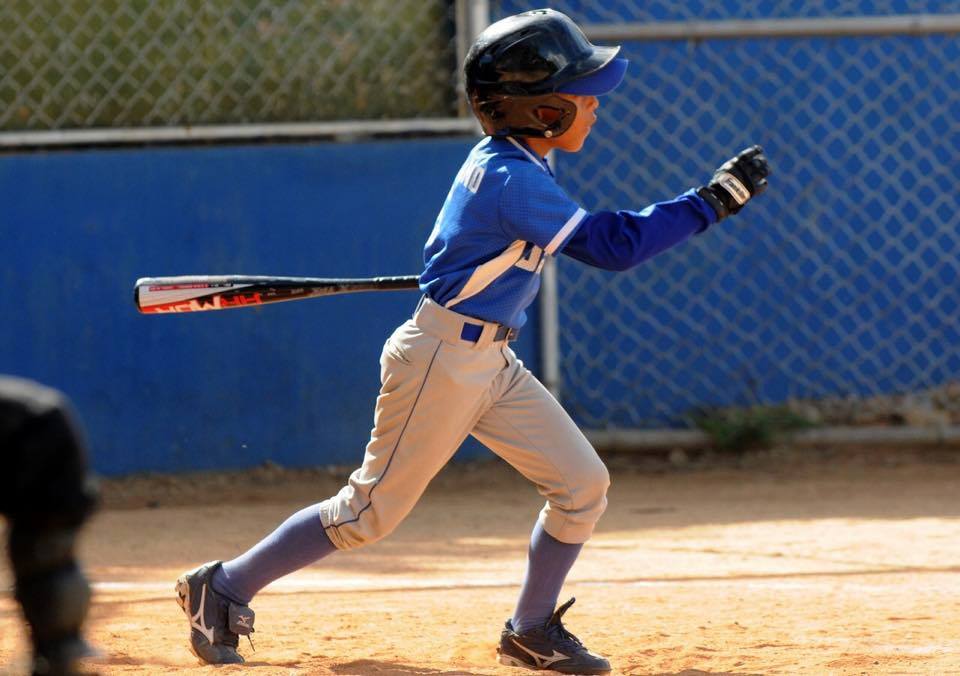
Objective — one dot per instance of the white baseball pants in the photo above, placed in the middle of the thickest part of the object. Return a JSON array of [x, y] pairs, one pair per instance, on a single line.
[[436, 389]]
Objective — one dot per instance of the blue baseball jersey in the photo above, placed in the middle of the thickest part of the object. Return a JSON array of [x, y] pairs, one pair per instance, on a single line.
[[505, 213]]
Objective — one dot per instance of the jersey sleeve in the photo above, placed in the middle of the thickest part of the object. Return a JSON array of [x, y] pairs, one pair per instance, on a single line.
[[619, 240], [533, 208]]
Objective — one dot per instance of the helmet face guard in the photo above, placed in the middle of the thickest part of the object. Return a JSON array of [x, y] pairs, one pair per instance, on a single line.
[[518, 65]]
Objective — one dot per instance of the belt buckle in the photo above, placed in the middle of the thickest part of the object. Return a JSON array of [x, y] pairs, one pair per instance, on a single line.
[[471, 332]]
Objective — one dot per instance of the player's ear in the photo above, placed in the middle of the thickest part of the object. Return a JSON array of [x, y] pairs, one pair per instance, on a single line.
[[549, 115]]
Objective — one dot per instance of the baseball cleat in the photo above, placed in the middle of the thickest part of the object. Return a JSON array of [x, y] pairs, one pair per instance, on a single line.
[[550, 648], [215, 622]]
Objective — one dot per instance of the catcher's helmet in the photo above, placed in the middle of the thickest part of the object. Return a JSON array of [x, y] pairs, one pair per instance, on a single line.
[[518, 65]]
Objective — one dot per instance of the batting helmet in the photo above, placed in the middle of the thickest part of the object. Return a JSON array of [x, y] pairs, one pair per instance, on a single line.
[[518, 65]]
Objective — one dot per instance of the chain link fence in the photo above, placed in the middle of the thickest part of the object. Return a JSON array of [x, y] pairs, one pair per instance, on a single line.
[[844, 279], [83, 64]]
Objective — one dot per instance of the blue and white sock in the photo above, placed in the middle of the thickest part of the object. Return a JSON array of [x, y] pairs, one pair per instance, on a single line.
[[548, 563], [297, 542]]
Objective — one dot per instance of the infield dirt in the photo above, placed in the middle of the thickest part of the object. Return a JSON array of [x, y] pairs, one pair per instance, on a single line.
[[795, 564]]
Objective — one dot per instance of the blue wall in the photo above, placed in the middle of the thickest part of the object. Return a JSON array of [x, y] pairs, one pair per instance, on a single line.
[[294, 383]]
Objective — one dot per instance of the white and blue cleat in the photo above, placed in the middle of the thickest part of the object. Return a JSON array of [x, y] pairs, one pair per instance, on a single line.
[[216, 623], [549, 648]]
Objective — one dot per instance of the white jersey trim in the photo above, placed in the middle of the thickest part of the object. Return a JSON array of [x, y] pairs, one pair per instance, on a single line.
[[530, 156], [484, 275], [565, 231]]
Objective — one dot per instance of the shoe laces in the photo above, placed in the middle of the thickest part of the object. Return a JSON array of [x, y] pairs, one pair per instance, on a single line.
[[232, 637], [229, 638], [233, 640], [558, 632]]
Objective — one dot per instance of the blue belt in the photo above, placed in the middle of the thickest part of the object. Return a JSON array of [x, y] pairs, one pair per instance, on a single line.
[[472, 332]]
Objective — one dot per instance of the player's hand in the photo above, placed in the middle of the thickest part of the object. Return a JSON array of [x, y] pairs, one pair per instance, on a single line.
[[736, 182]]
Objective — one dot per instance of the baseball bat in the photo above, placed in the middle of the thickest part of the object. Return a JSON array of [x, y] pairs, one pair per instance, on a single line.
[[161, 295]]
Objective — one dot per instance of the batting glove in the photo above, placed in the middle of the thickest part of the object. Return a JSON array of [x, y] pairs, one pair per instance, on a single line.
[[736, 181]]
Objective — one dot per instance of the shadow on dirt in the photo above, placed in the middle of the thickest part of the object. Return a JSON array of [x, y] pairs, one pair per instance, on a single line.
[[380, 668]]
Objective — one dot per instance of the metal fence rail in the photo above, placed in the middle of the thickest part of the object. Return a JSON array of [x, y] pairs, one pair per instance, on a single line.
[[857, 26], [842, 280], [710, 11]]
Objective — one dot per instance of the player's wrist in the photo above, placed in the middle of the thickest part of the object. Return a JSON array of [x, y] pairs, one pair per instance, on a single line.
[[708, 195]]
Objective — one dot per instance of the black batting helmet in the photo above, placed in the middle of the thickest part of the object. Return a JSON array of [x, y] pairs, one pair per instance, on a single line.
[[518, 65]]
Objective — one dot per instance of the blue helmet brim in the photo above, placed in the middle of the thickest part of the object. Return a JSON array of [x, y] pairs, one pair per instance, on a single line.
[[599, 82]]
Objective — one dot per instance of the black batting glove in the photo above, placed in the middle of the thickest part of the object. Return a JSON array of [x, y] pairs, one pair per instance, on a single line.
[[736, 181]]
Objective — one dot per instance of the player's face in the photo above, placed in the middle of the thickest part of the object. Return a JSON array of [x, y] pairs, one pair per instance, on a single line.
[[572, 140]]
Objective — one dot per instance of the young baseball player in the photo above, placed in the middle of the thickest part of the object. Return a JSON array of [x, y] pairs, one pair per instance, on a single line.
[[448, 372]]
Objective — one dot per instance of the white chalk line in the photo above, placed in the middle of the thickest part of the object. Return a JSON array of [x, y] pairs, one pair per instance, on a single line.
[[414, 584], [297, 584]]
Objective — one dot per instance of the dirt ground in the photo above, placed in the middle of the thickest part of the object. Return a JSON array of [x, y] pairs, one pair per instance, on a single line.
[[786, 564]]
